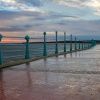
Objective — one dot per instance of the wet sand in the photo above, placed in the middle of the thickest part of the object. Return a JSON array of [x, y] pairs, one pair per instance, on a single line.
[[73, 76]]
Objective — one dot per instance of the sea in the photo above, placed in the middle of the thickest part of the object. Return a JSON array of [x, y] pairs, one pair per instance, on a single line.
[[17, 51]]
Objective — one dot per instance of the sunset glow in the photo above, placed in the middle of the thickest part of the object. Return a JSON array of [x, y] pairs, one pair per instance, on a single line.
[[33, 17], [9, 40]]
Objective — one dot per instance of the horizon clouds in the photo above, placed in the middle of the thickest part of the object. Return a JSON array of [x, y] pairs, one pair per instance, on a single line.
[[33, 17]]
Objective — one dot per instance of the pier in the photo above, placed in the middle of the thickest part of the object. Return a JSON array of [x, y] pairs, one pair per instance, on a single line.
[[57, 70], [73, 76]]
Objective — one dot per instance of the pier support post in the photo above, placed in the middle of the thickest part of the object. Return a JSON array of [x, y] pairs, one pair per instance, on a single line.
[[93, 43], [75, 43], [82, 44], [79, 44], [71, 42], [45, 49], [86, 45], [89, 44], [56, 49], [1, 50], [27, 47], [64, 41]]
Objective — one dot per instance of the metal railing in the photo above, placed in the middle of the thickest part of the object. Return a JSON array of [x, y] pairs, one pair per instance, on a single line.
[[20, 51]]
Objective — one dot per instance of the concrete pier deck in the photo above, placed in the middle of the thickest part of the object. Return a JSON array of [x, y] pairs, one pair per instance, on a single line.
[[73, 76]]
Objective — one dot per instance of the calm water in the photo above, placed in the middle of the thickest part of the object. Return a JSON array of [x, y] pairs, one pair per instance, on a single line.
[[11, 52]]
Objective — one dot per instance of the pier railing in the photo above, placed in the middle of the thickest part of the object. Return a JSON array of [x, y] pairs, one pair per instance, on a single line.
[[26, 50]]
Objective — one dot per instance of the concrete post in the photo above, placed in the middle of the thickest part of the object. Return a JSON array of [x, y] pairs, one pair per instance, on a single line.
[[79, 44], [1, 59], [27, 47], [75, 43], [64, 42], [70, 42], [56, 49], [45, 49], [82, 45]]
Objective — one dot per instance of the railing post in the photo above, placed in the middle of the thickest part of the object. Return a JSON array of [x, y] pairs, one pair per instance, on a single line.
[[88, 44], [85, 45], [64, 41], [45, 49], [27, 47], [93, 43], [82, 44], [56, 49], [71, 42], [1, 50], [79, 44], [75, 43]]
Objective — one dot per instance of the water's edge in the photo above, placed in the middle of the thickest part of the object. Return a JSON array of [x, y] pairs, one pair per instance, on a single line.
[[13, 63]]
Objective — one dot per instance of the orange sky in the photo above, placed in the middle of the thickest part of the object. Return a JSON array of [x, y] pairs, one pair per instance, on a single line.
[[9, 40], [33, 17]]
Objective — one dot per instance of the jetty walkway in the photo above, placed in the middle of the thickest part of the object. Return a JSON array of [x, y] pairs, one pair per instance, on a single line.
[[73, 76]]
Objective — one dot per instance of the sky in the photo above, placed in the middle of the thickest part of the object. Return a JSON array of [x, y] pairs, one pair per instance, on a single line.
[[33, 17]]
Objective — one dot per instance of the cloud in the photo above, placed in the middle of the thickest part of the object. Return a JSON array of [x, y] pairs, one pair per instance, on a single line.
[[95, 4], [19, 21], [20, 17], [7, 14], [82, 4], [31, 2], [17, 28], [23, 5], [72, 3], [24, 22]]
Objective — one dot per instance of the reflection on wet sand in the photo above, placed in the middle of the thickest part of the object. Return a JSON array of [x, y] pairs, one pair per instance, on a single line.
[[2, 96], [74, 76]]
